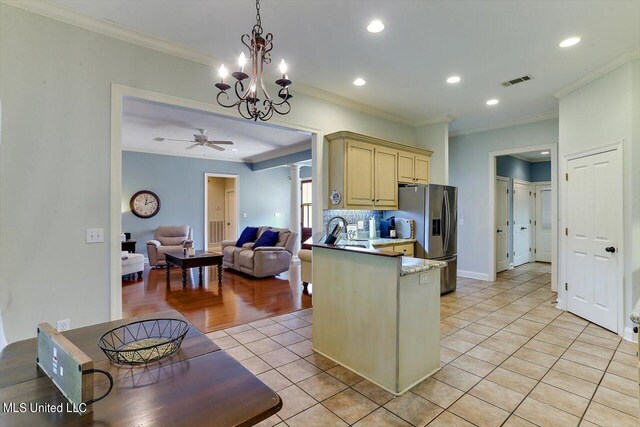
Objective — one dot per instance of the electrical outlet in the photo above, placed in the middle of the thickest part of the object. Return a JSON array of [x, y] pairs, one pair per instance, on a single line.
[[95, 235], [360, 225], [63, 325], [424, 279], [277, 214], [244, 215], [461, 222]]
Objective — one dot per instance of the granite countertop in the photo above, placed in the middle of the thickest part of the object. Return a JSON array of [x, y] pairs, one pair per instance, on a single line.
[[418, 265], [356, 246], [390, 242], [635, 313]]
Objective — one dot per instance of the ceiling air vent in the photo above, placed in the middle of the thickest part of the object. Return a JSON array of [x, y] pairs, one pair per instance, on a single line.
[[516, 81]]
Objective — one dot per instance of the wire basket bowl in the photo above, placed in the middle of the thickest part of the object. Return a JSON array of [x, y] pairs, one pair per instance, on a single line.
[[143, 342]]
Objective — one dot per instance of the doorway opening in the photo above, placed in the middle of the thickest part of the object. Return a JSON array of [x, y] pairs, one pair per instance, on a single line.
[[524, 208], [152, 149], [306, 212], [220, 210]]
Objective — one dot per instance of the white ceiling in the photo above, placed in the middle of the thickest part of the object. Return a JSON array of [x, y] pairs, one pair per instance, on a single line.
[[144, 120], [485, 42]]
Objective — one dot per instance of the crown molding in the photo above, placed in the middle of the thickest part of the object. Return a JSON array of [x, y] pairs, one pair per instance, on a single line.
[[281, 152], [69, 16], [434, 120], [629, 55], [518, 156], [349, 103], [189, 154], [516, 122]]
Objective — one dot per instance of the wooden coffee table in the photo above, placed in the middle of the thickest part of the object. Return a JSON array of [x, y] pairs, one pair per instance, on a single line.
[[200, 259]]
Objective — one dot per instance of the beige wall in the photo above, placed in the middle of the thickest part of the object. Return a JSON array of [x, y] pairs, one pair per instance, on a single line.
[[55, 168]]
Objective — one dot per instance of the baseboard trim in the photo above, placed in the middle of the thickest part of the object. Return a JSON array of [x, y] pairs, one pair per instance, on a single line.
[[629, 335], [473, 275]]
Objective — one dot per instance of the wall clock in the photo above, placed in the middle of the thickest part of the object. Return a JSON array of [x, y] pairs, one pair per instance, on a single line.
[[145, 204]]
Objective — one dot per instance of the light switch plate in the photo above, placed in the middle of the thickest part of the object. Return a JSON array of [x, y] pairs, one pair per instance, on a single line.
[[95, 235], [360, 225]]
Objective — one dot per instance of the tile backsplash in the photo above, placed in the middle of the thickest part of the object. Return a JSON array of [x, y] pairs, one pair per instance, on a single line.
[[352, 217]]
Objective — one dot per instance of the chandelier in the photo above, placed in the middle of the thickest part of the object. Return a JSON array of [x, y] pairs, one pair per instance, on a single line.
[[248, 103]]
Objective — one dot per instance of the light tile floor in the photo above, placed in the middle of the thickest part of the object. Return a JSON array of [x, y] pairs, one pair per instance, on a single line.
[[509, 357]]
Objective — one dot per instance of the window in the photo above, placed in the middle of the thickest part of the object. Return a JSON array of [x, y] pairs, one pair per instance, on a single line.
[[306, 203]]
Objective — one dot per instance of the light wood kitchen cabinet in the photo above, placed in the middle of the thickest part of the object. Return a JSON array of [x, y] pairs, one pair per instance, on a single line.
[[364, 172], [422, 169], [360, 172], [405, 249], [406, 167], [386, 178], [413, 168]]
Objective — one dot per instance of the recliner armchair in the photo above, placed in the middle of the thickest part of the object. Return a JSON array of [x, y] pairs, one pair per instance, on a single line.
[[168, 238], [264, 261]]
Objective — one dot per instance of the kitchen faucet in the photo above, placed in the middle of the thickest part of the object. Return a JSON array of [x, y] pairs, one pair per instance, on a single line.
[[344, 222]]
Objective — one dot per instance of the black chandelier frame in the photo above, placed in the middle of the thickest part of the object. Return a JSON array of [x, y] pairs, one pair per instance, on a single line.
[[249, 105]]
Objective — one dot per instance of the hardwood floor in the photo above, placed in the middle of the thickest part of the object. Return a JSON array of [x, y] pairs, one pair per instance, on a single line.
[[240, 299]]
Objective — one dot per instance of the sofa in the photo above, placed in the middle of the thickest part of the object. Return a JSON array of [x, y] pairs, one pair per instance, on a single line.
[[263, 261], [306, 263], [168, 238]]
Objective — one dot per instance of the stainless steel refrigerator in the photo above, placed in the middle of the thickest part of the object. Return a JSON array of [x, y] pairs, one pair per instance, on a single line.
[[434, 208]]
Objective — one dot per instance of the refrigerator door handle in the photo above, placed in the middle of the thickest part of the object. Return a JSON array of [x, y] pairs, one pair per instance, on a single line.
[[448, 219]]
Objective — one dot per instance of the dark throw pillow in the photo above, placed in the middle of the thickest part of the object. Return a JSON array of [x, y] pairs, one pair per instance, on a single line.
[[248, 235], [268, 238]]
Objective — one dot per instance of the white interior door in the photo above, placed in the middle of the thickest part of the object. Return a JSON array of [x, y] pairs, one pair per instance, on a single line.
[[543, 223], [593, 222], [230, 231], [502, 224], [521, 223]]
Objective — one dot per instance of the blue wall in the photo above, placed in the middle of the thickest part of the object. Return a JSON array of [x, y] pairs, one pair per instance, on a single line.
[[540, 171], [179, 182], [511, 167]]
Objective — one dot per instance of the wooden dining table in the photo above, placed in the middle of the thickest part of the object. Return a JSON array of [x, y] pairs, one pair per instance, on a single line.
[[199, 385]]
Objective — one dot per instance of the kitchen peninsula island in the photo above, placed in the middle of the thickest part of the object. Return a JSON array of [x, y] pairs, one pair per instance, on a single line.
[[377, 313]]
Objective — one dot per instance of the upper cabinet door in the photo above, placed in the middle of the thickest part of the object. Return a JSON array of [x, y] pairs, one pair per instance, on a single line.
[[422, 170], [360, 174], [386, 178], [405, 167]]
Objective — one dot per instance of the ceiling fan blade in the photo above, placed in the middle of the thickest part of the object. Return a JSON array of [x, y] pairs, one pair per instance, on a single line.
[[222, 142], [178, 140], [215, 147], [157, 139], [192, 146]]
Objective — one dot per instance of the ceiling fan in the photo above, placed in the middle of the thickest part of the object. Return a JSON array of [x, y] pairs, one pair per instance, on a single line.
[[199, 140]]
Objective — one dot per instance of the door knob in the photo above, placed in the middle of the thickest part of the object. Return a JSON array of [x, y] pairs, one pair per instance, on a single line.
[[610, 249]]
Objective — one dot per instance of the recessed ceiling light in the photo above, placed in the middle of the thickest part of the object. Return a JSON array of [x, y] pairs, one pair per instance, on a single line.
[[544, 152], [359, 82], [571, 41], [453, 79], [234, 149], [492, 102], [375, 26]]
